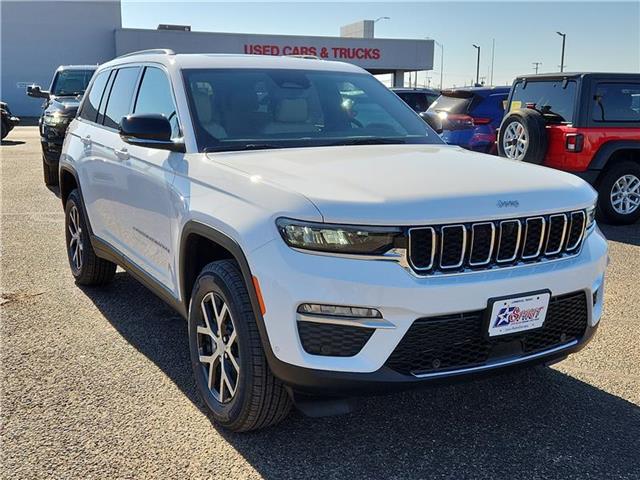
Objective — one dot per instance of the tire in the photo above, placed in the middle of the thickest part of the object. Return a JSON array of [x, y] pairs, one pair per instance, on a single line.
[[4, 129], [611, 179], [87, 268], [256, 399], [50, 174], [530, 142]]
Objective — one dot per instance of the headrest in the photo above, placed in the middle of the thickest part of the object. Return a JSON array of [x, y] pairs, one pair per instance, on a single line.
[[203, 105], [292, 110]]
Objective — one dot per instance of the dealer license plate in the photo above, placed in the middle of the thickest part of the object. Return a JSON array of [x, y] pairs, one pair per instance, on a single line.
[[518, 314]]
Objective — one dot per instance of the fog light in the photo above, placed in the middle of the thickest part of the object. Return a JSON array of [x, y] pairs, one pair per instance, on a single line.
[[338, 311]]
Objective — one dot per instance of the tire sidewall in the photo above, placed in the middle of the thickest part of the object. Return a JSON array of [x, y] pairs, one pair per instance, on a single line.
[[503, 128], [534, 126], [225, 413], [605, 206], [74, 200]]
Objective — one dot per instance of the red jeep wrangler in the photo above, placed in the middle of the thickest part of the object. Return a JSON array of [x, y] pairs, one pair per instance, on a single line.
[[583, 123]]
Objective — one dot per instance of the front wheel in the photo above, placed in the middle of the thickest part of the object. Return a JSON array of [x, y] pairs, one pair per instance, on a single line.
[[228, 361], [50, 174], [87, 268], [619, 194]]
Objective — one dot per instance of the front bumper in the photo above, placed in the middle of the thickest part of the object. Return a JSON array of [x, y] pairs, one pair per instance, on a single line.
[[289, 278]]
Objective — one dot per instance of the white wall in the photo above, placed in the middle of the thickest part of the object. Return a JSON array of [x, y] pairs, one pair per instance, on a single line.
[[38, 36]]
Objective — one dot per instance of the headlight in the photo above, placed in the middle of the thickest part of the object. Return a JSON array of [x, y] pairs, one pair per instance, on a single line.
[[57, 119], [591, 218], [346, 239]]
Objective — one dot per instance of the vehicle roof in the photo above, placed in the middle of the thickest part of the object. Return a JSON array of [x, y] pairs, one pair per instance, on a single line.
[[492, 89], [218, 60], [550, 76], [416, 89], [77, 67]]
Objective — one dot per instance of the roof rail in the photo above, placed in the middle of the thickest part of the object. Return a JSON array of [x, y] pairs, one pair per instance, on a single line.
[[151, 51]]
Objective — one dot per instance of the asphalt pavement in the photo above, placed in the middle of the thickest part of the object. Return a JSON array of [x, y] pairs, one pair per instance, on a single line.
[[96, 383]]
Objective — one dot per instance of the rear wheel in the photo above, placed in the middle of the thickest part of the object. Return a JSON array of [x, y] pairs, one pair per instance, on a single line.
[[523, 136], [86, 267], [50, 174], [228, 361], [619, 194]]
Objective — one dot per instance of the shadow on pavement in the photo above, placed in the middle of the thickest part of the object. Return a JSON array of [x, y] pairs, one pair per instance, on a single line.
[[622, 233], [12, 142], [537, 423]]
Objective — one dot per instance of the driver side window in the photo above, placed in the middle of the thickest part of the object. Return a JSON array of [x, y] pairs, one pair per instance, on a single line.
[[154, 96]]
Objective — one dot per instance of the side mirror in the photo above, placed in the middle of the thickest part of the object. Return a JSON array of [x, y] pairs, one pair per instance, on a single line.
[[433, 120], [149, 130], [36, 91]]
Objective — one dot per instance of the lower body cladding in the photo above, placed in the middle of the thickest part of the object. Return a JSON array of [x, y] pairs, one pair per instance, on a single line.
[[429, 329]]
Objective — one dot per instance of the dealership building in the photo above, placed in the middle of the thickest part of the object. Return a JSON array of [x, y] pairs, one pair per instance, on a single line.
[[38, 36]]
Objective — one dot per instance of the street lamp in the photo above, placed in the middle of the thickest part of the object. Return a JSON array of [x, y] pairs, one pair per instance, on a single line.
[[477, 64], [381, 18], [564, 38]]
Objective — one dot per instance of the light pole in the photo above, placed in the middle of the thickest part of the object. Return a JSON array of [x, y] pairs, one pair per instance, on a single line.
[[441, 62], [477, 64], [381, 18], [564, 38]]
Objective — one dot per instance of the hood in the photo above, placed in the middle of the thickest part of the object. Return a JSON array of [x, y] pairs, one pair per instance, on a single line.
[[67, 105], [412, 184]]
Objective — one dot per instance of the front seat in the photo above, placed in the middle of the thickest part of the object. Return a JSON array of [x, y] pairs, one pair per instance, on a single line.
[[291, 115], [204, 110]]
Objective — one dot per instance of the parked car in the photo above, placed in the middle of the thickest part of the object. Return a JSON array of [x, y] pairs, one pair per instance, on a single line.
[[418, 99], [8, 119], [584, 123], [60, 107], [470, 117], [320, 239]]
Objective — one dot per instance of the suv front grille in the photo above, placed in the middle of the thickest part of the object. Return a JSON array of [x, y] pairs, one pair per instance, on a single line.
[[451, 342], [501, 243]]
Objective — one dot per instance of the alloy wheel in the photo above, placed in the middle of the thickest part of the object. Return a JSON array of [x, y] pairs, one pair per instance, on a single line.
[[515, 141], [218, 349], [75, 242], [625, 194]]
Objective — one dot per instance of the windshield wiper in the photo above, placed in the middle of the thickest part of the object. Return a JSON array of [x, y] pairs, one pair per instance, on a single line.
[[369, 141], [236, 148]]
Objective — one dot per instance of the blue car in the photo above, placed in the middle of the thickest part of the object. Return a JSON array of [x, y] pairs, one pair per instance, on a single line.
[[471, 116]]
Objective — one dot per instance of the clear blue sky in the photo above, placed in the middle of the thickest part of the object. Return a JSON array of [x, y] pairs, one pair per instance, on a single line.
[[601, 36]]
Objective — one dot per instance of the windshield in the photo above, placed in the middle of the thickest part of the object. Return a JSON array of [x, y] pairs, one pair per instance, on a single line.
[[237, 109], [452, 104], [71, 82]]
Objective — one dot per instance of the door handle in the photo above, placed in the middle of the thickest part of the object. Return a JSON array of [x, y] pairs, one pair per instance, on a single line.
[[122, 154], [86, 140]]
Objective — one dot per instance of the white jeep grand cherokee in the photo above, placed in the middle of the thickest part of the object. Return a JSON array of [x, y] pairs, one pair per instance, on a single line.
[[318, 236]]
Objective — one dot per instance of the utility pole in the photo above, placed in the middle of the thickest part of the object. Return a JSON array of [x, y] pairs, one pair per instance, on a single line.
[[564, 38], [477, 63], [536, 65], [493, 54]]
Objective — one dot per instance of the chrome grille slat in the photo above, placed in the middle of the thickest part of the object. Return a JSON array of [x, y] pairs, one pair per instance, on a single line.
[[485, 245], [473, 243], [444, 244], [553, 219], [502, 241]]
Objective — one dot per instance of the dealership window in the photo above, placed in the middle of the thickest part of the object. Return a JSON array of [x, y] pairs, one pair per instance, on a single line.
[[119, 102], [554, 99], [154, 96], [92, 102], [617, 102]]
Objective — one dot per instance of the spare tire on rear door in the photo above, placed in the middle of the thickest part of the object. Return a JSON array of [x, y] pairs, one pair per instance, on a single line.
[[523, 136]]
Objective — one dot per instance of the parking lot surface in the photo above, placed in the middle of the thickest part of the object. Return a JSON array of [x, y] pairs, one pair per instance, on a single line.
[[96, 383]]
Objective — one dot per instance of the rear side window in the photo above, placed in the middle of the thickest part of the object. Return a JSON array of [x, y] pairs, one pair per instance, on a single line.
[[154, 96], [617, 102], [119, 102], [554, 99], [417, 101], [92, 101]]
